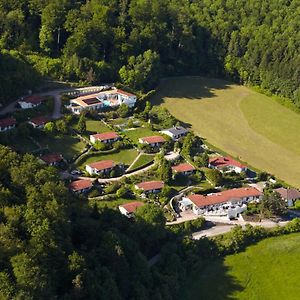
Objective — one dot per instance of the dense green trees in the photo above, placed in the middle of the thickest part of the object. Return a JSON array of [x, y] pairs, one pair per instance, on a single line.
[[140, 41]]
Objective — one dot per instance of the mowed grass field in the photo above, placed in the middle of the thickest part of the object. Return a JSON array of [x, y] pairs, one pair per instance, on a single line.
[[266, 271], [246, 124]]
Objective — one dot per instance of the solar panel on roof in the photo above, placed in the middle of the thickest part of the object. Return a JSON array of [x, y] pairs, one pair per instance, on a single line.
[[91, 101]]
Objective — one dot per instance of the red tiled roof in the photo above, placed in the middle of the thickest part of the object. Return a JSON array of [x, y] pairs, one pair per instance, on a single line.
[[185, 167], [225, 196], [132, 206], [7, 122], [106, 136], [34, 99], [221, 162], [150, 185], [40, 120], [80, 184], [51, 158], [153, 139], [124, 93], [102, 165], [288, 193]]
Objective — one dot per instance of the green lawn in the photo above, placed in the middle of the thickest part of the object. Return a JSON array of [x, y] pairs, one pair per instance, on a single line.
[[113, 204], [94, 126], [266, 271], [143, 160], [139, 132], [68, 146], [124, 156], [246, 124]]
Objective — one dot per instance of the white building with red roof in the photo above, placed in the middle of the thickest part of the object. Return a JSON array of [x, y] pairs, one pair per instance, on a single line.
[[226, 164], [150, 187], [52, 159], [7, 124], [30, 101], [106, 137], [39, 122], [81, 186], [230, 202], [100, 167], [184, 168], [289, 195], [153, 141], [106, 99], [130, 208]]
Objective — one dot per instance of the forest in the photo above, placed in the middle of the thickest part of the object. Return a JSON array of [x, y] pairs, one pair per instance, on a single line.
[[139, 41], [53, 245]]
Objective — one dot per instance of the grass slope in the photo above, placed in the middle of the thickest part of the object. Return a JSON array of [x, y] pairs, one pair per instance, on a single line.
[[242, 122], [268, 270], [124, 156], [143, 160]]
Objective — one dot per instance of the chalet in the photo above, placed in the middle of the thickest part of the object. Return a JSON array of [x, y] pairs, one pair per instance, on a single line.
[[7, 124], [81, 186], [153, 141], [105, 99], [226, 164], [52, 159], [107, 137], [150, 187], [289, 195], [184, 169], [176, 132], [39, 122], [30, 101], [130, 208], [100, 167], [230, 202]]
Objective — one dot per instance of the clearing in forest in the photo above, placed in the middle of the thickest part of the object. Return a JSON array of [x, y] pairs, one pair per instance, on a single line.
[[246, 124]]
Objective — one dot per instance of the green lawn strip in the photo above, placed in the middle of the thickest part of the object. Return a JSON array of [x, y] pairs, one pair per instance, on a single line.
[[123, 156], [113, 204], [143, 160], [268, 270], [95, 126], [68, 146], [137, 133], [237, 120]]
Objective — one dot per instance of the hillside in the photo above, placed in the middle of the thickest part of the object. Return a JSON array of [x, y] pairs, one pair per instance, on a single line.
[[268, 270], [238, 120], [138, 42]]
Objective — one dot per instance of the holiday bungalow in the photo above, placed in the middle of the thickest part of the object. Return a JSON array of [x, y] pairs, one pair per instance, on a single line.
[[30, 101], [150, 187], [106, 137], [100, 167], [81, 186], [52, 159], [130, 208], [39, 122], [106, 99], [230, 202], [184, 169], [153, 141], [226, 164], [7, 124], [175, 132], [289, 195]]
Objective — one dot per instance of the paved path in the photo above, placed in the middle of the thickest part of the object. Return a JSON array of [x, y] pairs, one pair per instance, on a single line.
[[135, 160]]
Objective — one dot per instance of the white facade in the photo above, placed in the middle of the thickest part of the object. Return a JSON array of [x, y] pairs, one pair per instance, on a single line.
[[124, 212], [125, 99], [94, 171], [93, 140], [26, 105], [5, 128], [228, 169]]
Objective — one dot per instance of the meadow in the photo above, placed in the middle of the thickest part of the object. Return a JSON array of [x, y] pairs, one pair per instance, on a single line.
[[246, 124], [267, 270]]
